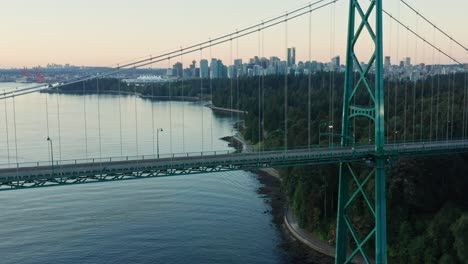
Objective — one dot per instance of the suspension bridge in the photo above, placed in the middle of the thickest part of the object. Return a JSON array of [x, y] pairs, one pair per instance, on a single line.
[[365, 95]]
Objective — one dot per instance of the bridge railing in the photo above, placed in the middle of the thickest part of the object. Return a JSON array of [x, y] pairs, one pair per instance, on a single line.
[[399, 147], [115, 159]]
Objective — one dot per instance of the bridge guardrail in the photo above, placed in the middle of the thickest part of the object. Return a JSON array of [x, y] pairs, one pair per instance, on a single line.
[[400, 147]]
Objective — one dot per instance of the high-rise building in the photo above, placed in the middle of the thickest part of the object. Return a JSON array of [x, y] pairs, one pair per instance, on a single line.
[[214, 69], [291, 56], [238, 67], [178, 70], [408, 62], [335, 63], [193, 67], [218, 69], [204, 70], [388, 62]]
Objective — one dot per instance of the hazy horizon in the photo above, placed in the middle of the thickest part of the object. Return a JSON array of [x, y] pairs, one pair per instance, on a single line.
[[104, 33]]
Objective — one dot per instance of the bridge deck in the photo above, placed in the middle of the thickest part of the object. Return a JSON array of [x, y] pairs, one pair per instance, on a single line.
[[71, 172]]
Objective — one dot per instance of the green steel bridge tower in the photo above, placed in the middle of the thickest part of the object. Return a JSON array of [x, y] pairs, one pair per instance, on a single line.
[[374, 90]]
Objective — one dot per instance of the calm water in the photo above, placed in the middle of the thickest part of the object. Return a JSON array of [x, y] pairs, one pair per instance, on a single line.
[[207, 218]]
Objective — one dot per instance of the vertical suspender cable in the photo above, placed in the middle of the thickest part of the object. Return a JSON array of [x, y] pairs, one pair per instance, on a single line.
[[231, 97], [448, 106], [237, 86], [99, 119], [332, 77], [432, 88], [14, 123], [170, 109], [211, 98], [437, 100], [415, 83], [286, 85], [85, 120], [6, 129], [451, 90], [406, 91], [423, 80], [152, 116], [465, 106], [309, 84], [59, 126], [452, 119], [49, 150], [387, 95], [395, 131], [136, 122], [120, 117], [465, 103], [201, 96], [330, 85], [259, 93], [263, 91], [183, 103]]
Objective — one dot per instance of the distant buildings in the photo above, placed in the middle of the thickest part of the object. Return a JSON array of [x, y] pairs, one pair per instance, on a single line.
[[291, 56], [217, 69], [204, 70], [387, 62], [259, 66], [335, 63], [177, 70]]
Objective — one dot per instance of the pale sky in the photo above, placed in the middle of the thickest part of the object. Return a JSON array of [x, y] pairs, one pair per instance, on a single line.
[[106, 32]]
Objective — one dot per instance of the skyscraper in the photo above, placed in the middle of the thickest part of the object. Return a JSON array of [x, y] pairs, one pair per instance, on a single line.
[[192, 69], [387, 63], [178, 69], [407, 62], [204, 70], [214, 69], [291, 56], [336, 63]]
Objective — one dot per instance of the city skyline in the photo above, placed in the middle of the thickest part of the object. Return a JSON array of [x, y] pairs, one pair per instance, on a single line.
[[52, 31]]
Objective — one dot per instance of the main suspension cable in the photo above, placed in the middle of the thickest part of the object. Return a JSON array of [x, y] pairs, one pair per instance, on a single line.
[[433, 25], [191, 49]]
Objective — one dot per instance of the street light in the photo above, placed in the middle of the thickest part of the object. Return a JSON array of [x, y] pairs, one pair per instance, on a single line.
[[157, 140], [331, 135], [51, 154]]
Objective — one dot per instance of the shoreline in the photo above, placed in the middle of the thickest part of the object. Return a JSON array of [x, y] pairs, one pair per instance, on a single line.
[[225, 110], [125, 93], [301, 250]]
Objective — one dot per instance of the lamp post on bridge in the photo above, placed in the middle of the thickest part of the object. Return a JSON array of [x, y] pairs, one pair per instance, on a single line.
[[157, 140], [51, 154]]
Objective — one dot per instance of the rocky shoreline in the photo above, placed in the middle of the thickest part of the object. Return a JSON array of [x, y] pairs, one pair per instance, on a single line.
[[272, 193]]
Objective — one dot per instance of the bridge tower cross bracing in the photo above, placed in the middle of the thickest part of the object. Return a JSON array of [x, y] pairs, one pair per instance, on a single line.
[[370, 23]]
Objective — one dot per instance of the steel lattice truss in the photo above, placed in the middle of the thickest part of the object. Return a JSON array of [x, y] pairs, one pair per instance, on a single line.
[[21, 176]]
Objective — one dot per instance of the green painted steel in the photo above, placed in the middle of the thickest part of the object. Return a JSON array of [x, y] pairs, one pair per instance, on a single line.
[[65, 172], [375, 113]]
